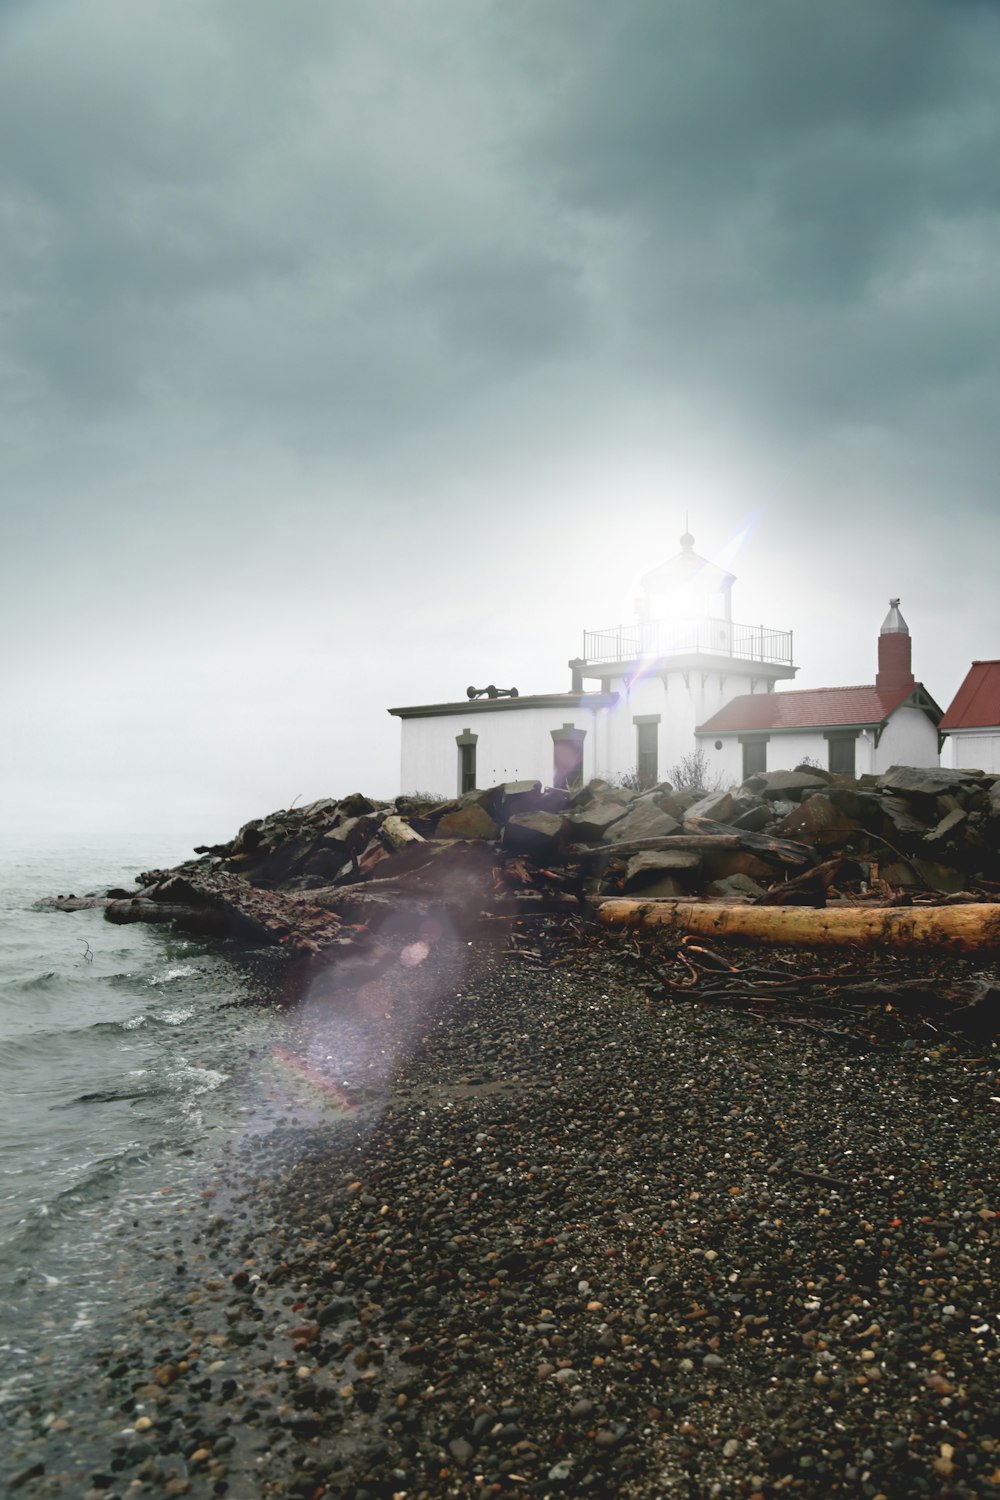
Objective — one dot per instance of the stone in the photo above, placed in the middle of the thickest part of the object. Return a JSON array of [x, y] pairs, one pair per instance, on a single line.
[[924, 781], [537, 833], [734, 885], [469, 822], [349, 836], [666, 799], [395, 832], [520, 797], [668, 888], [787, 785], [948, 825], [684, 798], [589, 792], [901, 816], [652, 863], [354, 805], [939, 877], [755, 817], [721, 864], [718, 805], [643, 820], [592, 822], [818, 821]]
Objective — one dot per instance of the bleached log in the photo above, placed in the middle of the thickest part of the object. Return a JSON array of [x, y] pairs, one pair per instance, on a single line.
[[959, 929]]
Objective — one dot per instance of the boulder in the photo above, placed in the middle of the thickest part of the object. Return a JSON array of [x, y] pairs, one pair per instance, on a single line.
[[667, 800], [536, 833], [949, 824], [588, 793], [591, 822], [667, 888], [939, 877], [718, 805], [520, 797], [901, 816], [396, 832], [682, 800], [734, 885], [818, 821], [652, 864], [349, 837], [721, 864], [922, 874], [753, 816], [354, 805], [643, 820], [925, 781], [788, 786], [469, 822]]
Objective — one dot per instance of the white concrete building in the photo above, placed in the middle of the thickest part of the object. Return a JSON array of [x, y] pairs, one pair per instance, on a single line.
[[973, 719], [656, 679], [683, 675], [893, 721], [556, 738]]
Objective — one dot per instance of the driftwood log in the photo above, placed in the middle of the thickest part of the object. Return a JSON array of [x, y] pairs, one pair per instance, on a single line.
[[781, 851], [960, 929]]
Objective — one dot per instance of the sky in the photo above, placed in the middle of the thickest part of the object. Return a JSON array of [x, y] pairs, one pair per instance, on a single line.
[[354, 353]]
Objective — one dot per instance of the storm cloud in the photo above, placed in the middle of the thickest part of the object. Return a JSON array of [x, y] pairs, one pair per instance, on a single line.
[[351, 353]]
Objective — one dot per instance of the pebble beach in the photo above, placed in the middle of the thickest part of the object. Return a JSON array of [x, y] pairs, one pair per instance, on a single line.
[[578, 1241]]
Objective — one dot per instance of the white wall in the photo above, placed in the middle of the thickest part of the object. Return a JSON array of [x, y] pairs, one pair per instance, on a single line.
[[784, 752], [512, 745], [976, 750], [682, 699], [909, 739]]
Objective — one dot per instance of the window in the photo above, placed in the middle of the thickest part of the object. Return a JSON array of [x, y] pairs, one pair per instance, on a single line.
[[841, 753], [647, 734], [466, 743], [754, 756]]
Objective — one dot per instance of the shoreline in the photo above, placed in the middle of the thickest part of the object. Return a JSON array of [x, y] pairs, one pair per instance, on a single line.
[[583, 1243]]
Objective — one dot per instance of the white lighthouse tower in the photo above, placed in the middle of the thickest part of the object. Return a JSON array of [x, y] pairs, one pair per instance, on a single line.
[[677, 663]]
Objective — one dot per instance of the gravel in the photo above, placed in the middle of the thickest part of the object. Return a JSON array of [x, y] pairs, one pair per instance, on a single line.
[[583, 1243]]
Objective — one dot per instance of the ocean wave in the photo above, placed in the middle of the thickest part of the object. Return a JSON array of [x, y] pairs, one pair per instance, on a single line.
[[176, 971], [189, 1078], [40, 981]]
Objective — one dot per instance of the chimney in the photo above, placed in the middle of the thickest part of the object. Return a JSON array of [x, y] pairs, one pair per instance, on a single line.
[[894, 670]]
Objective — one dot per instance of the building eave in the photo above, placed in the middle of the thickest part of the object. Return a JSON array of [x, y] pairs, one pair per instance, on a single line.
[[870, 724], [589, 702], [694, 661]]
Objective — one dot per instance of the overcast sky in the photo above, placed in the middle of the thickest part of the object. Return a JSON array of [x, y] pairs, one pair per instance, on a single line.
[[352, 353]]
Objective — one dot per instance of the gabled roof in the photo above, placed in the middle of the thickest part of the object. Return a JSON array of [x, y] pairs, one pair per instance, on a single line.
[[816, 708], [976, 705]]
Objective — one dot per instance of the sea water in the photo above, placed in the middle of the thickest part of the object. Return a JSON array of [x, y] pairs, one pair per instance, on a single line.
[[132, 1059]]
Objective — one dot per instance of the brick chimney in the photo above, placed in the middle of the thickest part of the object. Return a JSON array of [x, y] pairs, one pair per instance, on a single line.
[[894, 669]]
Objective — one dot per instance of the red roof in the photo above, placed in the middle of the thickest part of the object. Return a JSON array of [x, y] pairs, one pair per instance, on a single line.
[[976, 705], [806, 708]]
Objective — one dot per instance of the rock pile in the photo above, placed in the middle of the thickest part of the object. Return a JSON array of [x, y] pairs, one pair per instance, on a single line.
[[340, 873]]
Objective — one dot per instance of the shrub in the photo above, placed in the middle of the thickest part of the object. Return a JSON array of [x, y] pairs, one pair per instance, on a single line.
[[692, 771]]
